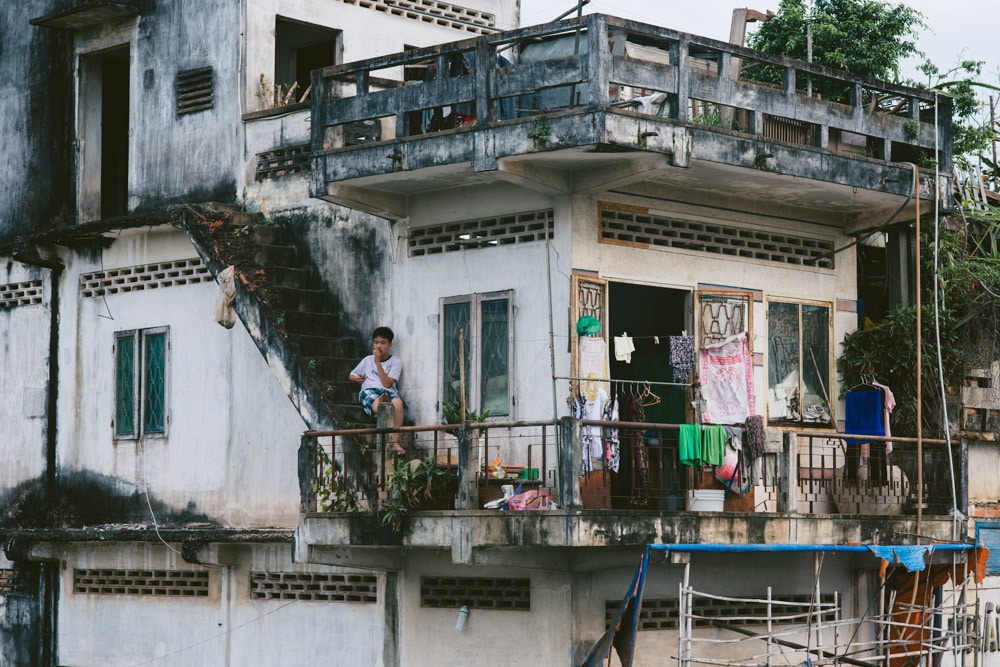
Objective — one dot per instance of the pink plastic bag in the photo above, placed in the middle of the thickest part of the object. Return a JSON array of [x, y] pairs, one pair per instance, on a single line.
[[531, 500]]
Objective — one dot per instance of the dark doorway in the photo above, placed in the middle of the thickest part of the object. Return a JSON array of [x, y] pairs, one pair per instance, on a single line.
[[114, 132], [651, 315]]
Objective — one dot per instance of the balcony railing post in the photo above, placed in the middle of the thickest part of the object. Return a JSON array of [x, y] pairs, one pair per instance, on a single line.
[[788, 474], [570, 462], [962, 477], [598, 62], [485, 66], [308, 460], [679, 55], [468, 463]]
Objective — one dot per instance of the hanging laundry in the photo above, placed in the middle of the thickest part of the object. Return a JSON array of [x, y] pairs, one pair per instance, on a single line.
[[862, 416], [727, 380], [681, 357], [689, 444], [594, 366], [755, 437], [624, 347], [888, 405], [612, 445], [632, 411], [713, 445]]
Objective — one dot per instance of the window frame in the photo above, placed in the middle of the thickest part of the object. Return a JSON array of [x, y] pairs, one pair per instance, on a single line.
[[473, 346], [785, 422], [140, 383]]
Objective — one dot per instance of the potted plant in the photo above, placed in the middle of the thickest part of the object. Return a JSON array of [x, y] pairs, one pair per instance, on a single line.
[[411, 486], [452, 412]]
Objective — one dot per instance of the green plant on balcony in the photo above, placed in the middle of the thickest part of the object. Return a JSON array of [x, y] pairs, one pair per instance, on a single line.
[[911, 130], [411, 484], [333, 494], [452, 412], [540, 133]]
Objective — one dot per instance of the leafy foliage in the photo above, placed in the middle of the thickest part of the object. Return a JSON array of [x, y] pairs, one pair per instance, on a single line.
[[410, 484], [863, 37], [969, 289]]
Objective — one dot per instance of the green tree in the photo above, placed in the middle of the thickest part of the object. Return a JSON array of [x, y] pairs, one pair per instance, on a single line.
[[863, 37]]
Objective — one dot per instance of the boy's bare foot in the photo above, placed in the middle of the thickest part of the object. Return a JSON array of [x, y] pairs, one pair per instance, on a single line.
[[399, 450]]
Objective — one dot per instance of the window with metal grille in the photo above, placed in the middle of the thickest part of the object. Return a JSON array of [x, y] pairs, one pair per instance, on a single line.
[[484, 324], [663, 614], [314, 586], [141, 383], [21, 580], [480, 233], [643, 228], [27, 293], [988, 534], [475, 593], [284, 161], [168, 583], [798, 363], [195, 90]]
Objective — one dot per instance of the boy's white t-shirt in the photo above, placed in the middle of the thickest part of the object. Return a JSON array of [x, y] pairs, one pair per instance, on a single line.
[[393, 367]]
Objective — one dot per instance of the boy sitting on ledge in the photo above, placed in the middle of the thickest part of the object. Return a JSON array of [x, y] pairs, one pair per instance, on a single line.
[[377, 374]]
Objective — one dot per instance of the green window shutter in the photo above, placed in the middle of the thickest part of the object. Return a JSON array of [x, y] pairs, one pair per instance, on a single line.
[[154, 412], [125, 385]]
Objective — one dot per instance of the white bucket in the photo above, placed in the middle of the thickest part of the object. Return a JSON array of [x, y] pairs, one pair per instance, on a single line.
[[706, 500]]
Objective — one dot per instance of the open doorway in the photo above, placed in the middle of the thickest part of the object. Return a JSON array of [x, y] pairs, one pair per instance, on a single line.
[[651, 315], [104, 130]]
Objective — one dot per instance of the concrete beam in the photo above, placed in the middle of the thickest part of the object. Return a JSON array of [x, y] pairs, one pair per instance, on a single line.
[[365, 558], [200, 553], [599, 179], [382, 204], [548, 181]]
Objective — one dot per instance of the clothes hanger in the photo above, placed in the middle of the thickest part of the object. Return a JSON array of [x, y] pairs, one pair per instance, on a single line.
[[649, 396], [866, 381]]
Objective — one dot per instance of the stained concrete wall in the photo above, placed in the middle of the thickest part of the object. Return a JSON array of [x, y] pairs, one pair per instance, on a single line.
[[224, 627], [24, 380], [34, 84], [231, 449]]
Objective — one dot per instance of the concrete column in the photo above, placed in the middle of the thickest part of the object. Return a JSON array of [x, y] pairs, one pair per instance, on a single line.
[[788, 475], [570, 462]]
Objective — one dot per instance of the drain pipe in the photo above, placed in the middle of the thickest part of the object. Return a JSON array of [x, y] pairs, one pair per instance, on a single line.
[[49, 572]]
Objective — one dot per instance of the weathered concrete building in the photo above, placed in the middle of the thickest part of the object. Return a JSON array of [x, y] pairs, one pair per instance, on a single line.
[[179, 492]]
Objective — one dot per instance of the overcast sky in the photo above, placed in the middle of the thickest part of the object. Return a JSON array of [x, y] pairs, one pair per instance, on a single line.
[[957, 29]]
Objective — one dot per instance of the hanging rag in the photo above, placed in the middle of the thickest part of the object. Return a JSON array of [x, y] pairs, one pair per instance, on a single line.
[[624, 347], [593, 358], [689, 444], [713, 445], [888, 404], [755, 437], [224, 313], [612, 445], [727, 380], [681, 357]]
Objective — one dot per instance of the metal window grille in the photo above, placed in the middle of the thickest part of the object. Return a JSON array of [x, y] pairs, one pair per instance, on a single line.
[[722, 315], [166, 583], [141, 383], [481, 233], [144, 277], [652, 230], [475, 593], [432, 11], [195, 90], [19, 581], [27, 293], [314, 586], [284, 161]]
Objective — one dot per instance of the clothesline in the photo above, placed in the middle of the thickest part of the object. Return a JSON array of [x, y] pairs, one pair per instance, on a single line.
[[639, 382]]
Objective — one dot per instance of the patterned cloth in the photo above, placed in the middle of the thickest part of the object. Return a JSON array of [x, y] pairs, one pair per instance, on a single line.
[[612, 445], [632, 411], [681, 357]]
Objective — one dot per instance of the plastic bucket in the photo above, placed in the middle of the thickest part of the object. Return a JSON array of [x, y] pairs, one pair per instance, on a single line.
[[706, 500]]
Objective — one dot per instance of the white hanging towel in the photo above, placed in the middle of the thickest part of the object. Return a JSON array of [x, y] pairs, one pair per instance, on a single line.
[[624, 347]]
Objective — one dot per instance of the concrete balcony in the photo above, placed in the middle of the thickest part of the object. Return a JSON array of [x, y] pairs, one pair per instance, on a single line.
[[807, 489], [601, 103]]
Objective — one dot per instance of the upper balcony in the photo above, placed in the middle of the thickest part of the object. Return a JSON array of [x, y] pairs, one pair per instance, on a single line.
[[591, 104]]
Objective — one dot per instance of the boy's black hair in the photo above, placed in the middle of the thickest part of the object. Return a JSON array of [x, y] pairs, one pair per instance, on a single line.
[[383, 332]]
